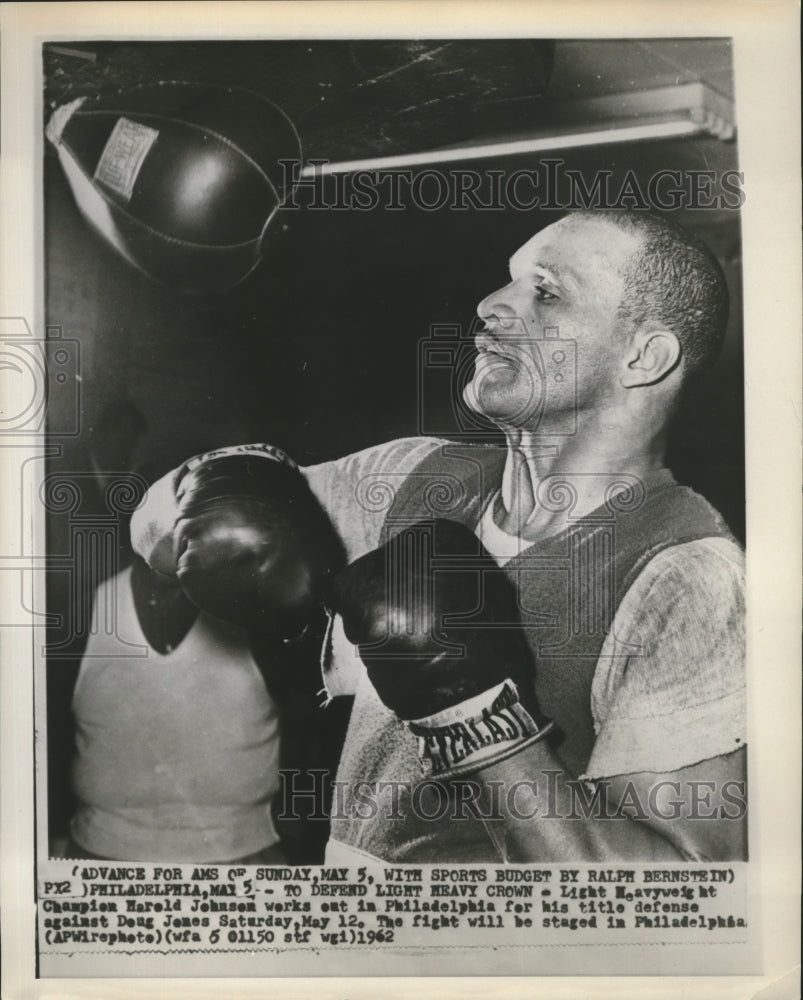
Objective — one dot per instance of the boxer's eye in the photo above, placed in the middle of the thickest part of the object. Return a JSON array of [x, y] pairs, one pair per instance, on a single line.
[[543, 294]]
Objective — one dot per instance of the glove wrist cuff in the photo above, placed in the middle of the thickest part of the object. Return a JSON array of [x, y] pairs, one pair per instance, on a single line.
[[475, 733], [251, 450]]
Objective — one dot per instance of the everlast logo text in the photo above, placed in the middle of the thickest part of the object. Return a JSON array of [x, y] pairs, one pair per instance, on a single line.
[[444, 747]]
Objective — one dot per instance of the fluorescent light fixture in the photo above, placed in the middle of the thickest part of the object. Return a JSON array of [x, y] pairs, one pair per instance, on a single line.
[[661, 113], [541, 144]]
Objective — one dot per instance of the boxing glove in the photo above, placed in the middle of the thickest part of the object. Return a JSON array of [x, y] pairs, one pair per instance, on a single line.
[[436, 624], [252, 545]]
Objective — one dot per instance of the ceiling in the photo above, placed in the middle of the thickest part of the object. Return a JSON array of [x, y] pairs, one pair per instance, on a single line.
[[353, 99], [590, 69]]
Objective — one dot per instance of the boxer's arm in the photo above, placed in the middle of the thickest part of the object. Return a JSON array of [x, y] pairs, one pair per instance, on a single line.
[[152, 525], [668, 700], [541, 814], [357, 491]]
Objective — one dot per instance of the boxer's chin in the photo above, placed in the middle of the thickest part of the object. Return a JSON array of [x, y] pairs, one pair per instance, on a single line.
[[482, 402], [504, 394]]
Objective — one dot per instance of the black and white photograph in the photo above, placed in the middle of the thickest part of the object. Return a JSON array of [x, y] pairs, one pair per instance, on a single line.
[[429, 390], [388, 471]]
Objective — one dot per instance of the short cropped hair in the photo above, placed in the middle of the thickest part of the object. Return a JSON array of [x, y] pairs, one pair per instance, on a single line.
[[673, 281]]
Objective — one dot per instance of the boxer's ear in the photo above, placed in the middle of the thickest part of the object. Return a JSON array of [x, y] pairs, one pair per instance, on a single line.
[[651, 356]]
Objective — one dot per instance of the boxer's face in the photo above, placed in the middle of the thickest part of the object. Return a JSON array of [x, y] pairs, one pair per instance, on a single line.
[[566, 279]]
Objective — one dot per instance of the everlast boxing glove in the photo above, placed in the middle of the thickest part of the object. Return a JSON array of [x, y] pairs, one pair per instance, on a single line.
[[252, 545], [437, 626]]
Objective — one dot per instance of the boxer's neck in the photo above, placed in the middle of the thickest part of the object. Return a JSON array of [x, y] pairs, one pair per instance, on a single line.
[[546, 479]]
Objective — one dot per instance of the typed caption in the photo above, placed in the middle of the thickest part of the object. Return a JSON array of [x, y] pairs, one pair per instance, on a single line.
[[87, 907]]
